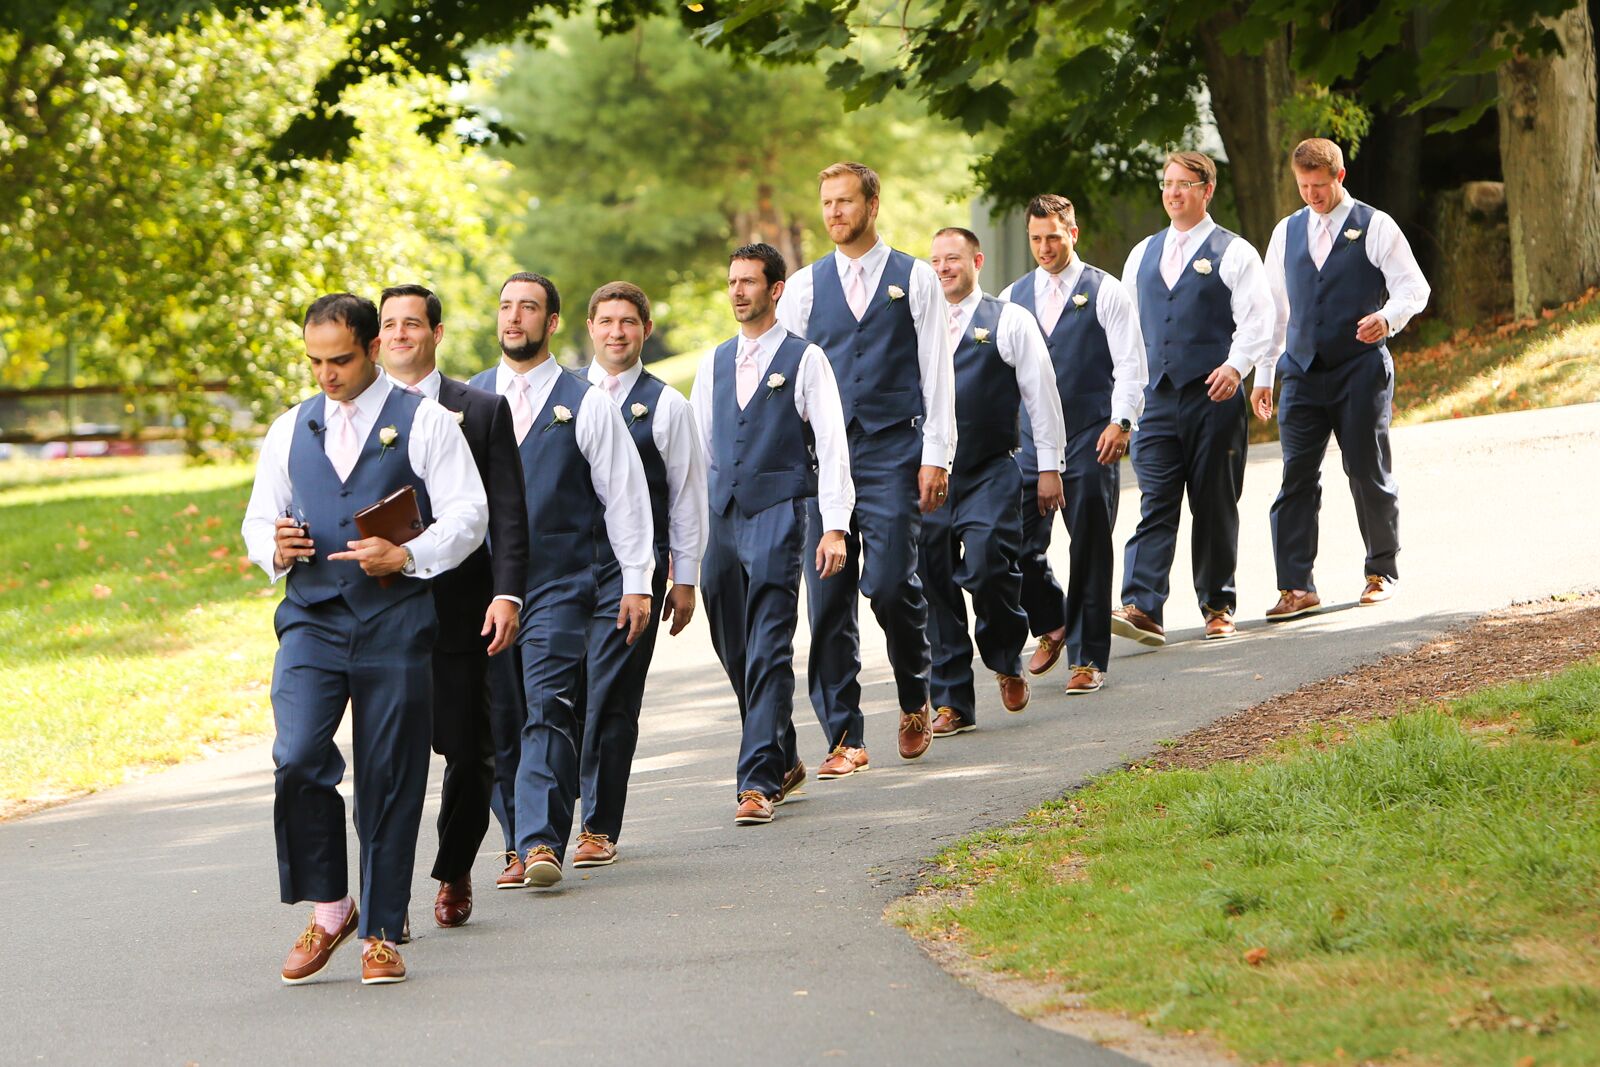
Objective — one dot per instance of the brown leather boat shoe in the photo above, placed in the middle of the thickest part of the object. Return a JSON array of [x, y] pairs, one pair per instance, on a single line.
[[754, 808], [792, 782], [1219, 625], [1292, 603], [842, 762], [914, 735], [540, 868], [381, 964], [948, 722], [1014, 692], [1128, 621], [1048, 652], [512, 876], [1085, 680], [594, 850], [315, 947], [1380, 587]]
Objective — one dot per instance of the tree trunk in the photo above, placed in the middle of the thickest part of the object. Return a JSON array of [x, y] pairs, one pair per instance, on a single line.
[[769, 223], [1247, 98], [1551, 162]]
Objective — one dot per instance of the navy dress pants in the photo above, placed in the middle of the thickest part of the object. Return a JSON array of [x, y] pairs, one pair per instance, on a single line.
[[1091, 489], [1353, 402], [882, 564], [461, 735], [554, 639], [751, 579], [384, 669], [508, 713], [1187, 443], [972, 544], [613, 697]]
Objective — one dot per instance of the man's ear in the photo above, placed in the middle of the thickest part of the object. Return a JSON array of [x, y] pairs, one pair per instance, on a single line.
[[977, 261], [776, 289], [438, 333], [649, 328]]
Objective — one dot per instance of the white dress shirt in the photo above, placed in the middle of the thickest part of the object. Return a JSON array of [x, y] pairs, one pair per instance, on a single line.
[[1020, 344], [1130, 371], [1241, 271], [614, 468], [438, 453], [1386, 248], [673, 430], [933, 345], [816, 401]]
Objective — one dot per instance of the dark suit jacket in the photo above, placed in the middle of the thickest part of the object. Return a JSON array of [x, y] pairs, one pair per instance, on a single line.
[[500, 565]]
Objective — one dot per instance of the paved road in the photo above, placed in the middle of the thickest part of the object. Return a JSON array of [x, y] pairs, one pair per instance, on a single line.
[[142, 924]]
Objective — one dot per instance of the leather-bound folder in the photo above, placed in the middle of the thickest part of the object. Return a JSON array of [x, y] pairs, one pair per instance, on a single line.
[[396, 518]]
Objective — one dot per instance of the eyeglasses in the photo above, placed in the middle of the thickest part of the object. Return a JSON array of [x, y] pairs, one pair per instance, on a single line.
[[1172, 183]]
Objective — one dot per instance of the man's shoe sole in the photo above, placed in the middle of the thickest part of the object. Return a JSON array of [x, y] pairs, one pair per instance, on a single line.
[[594, 863], [1286, 616], [1084, 692], [511, 885], [541, 876], [1222, 637], [386, 980], [1123, 628], [751, 820], [835, 777], [962, 729]]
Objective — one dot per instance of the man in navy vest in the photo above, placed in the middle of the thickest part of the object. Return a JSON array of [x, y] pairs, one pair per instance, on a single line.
[[1093, 335], [878, 314], [583, 484], [662, 426], [773, 428], [1001, 367], [1344, 281], [1206, 316], [477, 603], [356, 625]]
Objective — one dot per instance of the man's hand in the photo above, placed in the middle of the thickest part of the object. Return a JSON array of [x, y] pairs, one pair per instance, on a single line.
[[1261, 401], [1051, 496], [502, 620], [831, 552], [1112, 444], [634, 615], [1222, 383], [376, 556], [932, 485], [678, 606], [290, 543], [1372, 329]]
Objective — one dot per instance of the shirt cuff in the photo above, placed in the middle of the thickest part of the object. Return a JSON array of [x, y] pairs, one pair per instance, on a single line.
[[1266, 373], [636, 581], [1124, 411], [937, 452], [513, 599], [836, 519], [1241, 363], [1049, 459], [426, 559], [685, 569]]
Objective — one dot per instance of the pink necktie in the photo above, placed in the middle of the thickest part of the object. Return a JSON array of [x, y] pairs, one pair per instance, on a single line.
[[413, 390], [855, 290], [745, 380], [955, 326], [1322, 244], [613, 387], [1055, 299], [344, 448], [521, 411], [1172, 259]]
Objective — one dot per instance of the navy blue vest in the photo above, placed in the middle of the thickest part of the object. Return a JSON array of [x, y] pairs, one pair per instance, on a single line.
[[765, 453], [647, 391], [1325, 305], [1078, 351], [329, 506], [1187, 329], [874, 360], [564, 514], [987, 397]]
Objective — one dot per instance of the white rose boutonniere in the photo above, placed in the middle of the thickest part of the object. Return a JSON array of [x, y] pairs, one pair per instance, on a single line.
[[461, 417], [559, 416], [1351, 235], [387, 437], [1079, 299], [895, 292], [1202, 266], [775, 382], [981, 335], [638, 411]]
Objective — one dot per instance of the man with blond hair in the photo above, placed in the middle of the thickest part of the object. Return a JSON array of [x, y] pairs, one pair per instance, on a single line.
[[878, 314], [1344, 281]]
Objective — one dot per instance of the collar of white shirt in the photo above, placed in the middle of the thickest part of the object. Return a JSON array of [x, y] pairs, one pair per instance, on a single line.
[[870, 261], [1337, 216], [428, 387], [1196, 235], [368, 404], [598, 374], [969, 305], [1069, 279], [538, 376], [767, 343]]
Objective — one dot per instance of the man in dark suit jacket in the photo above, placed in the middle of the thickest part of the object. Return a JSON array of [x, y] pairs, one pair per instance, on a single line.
[[478, 604]]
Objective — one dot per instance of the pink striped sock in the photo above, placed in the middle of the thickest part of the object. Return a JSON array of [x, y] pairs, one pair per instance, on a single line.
[[333, 915]]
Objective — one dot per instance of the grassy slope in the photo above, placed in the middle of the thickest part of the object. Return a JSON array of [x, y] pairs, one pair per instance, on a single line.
[[1382, 884]]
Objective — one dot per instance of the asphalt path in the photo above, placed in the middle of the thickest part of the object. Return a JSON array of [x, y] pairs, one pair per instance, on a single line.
[[143, 924]]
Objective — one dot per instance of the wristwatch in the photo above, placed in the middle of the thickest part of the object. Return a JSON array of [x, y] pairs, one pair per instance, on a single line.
[[409, 567], [1125, 425]]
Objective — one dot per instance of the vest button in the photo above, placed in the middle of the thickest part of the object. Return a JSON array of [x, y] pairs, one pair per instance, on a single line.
[[738, 463], [736, 482], [344, 522], [345, 492], [344, 581]]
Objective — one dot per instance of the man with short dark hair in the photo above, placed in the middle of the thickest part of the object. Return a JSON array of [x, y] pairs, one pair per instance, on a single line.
[[478, 603], [356, 626], [1344, 282], [878, 315], [1206, 315]]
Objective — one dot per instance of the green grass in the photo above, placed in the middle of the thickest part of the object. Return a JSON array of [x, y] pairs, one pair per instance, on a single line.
[[1384, 881], [135, 633]]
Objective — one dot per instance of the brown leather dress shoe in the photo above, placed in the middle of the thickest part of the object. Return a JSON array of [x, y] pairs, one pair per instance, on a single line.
[[1128, 621], [594, 850], [1292, 603], [453, 905], [948, 722], [1380, 587], [755, 808], [1219, 625], [1048, 654], [512, 876], [842, 762], [1085, 680], [914, 735], [314, 948], [380, 964], [540, 868], [792, 783], [1014, 692]]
